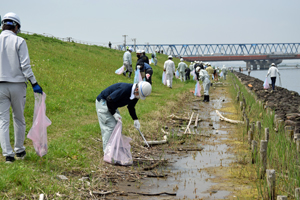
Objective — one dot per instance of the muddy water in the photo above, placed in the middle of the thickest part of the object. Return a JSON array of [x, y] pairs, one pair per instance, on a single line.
[[189, 173]]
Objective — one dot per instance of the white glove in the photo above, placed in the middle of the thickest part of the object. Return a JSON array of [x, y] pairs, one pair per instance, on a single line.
[[117, 116], [139, 66], [137, 124]]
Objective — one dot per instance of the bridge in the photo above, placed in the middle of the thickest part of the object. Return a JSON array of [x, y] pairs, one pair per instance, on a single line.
[[259, 54]]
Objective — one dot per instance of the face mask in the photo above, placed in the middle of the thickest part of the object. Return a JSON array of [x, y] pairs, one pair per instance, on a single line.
[[138, 56]]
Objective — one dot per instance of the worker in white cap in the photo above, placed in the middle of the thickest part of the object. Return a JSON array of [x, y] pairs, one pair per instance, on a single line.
[[140, 63], [15, 72], [116, 96], [204, 77], [224, 71], [273, 71], [181, 69], [127, 62], [169, 68]]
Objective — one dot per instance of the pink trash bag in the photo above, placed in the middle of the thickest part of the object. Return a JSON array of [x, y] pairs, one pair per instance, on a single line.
[[164, 80], [117, 150], [266, 84], [38, 131], [120, 70], [197, 92]]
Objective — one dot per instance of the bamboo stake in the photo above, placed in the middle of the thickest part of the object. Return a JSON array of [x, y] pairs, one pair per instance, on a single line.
[[250, 137], [196, 121], [188, 126], [267, 134], [254, 151], [258, 124]]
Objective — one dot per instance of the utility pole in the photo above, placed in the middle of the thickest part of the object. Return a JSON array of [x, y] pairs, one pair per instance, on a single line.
[[134, 41], [147, 47], [125, 41]]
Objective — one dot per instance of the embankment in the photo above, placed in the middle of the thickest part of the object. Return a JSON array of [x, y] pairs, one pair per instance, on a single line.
[[285, 103]]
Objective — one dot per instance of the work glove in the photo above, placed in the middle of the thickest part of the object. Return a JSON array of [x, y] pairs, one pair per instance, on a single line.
[[117, 117], [37, 89], [139, 66], [137, 124], [147, 76]]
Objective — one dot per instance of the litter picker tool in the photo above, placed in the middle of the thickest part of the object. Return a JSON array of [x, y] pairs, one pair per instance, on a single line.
[[143, 137]]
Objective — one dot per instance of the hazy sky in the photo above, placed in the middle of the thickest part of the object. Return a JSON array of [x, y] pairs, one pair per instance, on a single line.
[[161, 21]]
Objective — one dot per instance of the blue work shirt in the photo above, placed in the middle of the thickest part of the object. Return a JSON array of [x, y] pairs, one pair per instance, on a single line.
[[147, 66], [118, 95]]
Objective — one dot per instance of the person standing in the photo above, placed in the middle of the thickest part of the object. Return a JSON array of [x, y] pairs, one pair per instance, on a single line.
[[149, 73], [140, 63], [144, 57], [273, 71], [181, 69], [210, 71], [109, 44], [114, 97], [127, 62], [249, 71], [155, 58], [204, 77], [169, 68], [15, 71], [224, 71]]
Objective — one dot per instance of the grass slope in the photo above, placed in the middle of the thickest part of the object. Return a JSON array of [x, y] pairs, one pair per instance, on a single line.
[[72, 75]]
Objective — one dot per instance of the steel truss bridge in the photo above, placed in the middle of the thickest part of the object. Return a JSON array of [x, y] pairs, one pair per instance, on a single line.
[[262, 54]]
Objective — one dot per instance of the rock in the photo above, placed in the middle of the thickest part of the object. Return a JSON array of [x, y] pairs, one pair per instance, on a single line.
[[62, 177]]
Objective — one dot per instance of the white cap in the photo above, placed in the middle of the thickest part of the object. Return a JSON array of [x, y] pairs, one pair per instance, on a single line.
[[273, 64], [11, 16], [170, 56], [181, 59], [145, 89], [130, 49], [138, 51], [197, 69], [143, 51]]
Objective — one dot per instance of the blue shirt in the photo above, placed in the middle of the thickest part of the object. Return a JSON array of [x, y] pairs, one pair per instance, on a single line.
[[118, 95], [147, 66]]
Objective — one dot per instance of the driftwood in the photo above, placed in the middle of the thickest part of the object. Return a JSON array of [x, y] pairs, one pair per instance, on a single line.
[[153, 194], [153, 166], [175, 117], [155, 142], [196, 121], [165, 132], [228, 120], [191, 149], [188, 126]]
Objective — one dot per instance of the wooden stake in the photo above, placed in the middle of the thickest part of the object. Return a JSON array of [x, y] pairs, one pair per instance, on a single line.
[[247, 124], [254, 151], [263, 157], [258, 124], [267, 134], [188, 126], [196, 121], [250, 137], [297, 193], [253, 127], [271, 181]]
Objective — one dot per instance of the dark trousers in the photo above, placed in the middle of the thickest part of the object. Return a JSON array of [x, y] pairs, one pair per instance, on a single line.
[[150, 72], [187, 74], [273, 79]]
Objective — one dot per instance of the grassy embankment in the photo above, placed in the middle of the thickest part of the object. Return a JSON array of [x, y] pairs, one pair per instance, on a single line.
[[281, 153], [72, 75]]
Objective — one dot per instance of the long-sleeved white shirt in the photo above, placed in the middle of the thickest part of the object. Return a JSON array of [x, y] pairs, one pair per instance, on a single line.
[[273, 71], [127, 57], [169, 66], [181, 67], [14, 59]]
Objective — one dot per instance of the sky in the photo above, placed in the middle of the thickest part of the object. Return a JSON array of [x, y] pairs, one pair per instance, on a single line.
[[161, 21]]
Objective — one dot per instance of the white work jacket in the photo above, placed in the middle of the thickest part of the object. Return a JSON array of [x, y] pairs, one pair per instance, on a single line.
[[14, 59], [181, 67], [169, 66], [127, 57], [273, 72]]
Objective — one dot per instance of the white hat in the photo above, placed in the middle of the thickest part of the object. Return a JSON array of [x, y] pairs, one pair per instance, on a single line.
[[138, 51], [273, 64], [197, 69], [170, 56], [130, 49], [145, 89], [181, 59], [13, 17], [143, 51]]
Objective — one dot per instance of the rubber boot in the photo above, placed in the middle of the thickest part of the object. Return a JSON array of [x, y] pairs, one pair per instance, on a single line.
[[124, 73], [129, 74], [207, 98], [204, 100]]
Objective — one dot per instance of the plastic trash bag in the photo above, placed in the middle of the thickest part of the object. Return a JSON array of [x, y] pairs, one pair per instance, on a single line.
[[280, 82], [151, 61], [177, 74], [164, 78], [266, 84], [221, 74], [117, 150], [120, 70], [137, 76], [38, 131], [197, 90]]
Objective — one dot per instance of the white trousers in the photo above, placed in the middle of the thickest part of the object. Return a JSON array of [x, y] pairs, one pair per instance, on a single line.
[[12, 95], [182, 76], [107, 122], [169, 79]]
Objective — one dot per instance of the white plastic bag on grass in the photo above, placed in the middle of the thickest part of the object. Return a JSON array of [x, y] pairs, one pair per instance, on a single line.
[[117, 150], [266, 84], [38, 131], [120, 70]]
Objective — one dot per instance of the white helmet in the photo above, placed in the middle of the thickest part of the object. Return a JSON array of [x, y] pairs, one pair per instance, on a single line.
[[273, 64], [145, 89], [197, 69], [130, 49], [138, 51], [143, 51], [181, 59], [12, 16], [170, 56]]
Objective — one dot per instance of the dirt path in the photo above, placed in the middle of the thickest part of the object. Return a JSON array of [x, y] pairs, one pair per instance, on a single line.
[[206, 174]]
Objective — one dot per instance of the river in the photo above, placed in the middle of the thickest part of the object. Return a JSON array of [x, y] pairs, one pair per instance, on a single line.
[[289, 77]]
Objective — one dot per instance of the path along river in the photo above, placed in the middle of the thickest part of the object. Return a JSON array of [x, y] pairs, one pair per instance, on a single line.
[[289, 77], [199, 175]]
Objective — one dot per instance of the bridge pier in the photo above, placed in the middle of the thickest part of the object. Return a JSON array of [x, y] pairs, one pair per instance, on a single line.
[[263, 64]]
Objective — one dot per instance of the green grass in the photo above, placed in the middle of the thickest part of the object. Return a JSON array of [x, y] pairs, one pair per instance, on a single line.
[[281, 153], [72, 75]]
